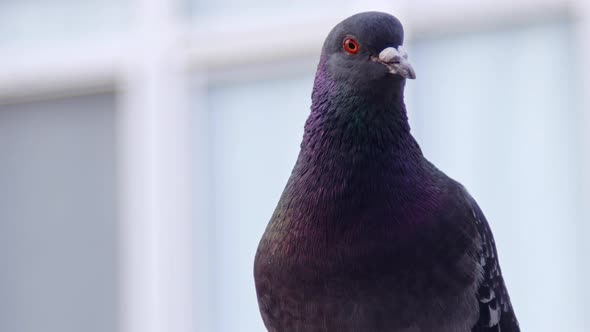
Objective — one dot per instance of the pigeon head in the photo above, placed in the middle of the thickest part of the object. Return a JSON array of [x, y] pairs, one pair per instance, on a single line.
[[358, 92], [367, 49]]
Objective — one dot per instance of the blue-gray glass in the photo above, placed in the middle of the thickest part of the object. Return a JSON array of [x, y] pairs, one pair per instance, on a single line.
[[58, 216]]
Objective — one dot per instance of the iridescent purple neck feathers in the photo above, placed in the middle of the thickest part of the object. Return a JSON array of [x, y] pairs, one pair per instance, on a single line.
[[356, 122], [357, 151]]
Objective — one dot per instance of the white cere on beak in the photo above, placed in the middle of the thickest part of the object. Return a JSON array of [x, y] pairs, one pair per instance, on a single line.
[[396, 60], [392, 55]]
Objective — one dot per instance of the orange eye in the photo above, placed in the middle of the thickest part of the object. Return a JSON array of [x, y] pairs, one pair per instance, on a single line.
[[351, 46]]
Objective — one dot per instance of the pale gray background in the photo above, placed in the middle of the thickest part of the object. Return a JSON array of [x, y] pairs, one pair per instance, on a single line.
[[58, 241]]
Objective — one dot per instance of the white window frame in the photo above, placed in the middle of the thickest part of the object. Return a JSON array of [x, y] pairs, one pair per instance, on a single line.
[[161, 245]]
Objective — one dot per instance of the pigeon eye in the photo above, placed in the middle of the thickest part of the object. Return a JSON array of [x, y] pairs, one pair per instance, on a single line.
[[351, 46]]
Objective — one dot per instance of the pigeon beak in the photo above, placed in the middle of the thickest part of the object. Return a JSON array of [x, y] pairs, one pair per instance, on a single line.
[[396, 61]]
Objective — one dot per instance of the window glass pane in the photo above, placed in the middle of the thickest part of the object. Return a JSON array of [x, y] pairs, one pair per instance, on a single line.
[[57, 216]]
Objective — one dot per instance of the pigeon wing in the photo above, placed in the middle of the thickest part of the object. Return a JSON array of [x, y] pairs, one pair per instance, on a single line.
[[495, 309]]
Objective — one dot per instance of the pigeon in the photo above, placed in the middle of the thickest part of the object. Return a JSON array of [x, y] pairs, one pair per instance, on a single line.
[[368, 235]]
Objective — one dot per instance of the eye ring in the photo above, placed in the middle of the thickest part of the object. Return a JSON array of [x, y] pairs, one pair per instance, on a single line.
[[350, 45]]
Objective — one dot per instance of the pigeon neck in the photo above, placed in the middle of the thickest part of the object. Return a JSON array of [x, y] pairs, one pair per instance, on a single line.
[[358, 122], [357, 154]]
